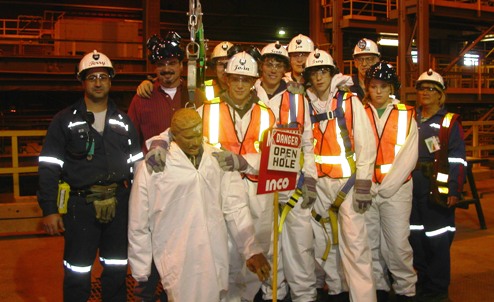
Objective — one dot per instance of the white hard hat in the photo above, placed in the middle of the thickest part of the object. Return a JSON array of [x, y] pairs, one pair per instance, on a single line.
[[94, 59], [366, 46], [300, 43], [431, 76], [275, 49], [221, 50], [242, 64], [319, 58]]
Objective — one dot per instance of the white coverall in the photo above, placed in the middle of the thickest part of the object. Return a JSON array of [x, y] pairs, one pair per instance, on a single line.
[[353, 246], [180, 218], [297, 239], [388, 219]]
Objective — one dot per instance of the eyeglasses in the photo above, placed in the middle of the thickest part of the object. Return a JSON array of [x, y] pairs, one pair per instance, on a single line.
[[430, 89], [274, 67], [299, 54], [321, 72], [103, 77], [368, 60]]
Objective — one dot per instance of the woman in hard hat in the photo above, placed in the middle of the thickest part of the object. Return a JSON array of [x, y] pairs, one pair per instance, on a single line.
[[387, 220], [437, 186]]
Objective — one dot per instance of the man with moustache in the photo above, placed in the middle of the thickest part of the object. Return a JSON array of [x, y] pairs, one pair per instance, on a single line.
[[152, 115]]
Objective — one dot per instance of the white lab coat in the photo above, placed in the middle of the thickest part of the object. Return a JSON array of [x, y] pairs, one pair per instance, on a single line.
[[353, 256], [297, 240], [180, 218], [388, 224]]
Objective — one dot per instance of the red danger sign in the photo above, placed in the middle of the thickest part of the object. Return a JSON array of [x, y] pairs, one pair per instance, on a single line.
[[280, 161]]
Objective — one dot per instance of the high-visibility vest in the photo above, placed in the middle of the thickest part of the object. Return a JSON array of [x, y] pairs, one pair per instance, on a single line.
[[219, 128], [334, 149], [392, 138], [292, 110]]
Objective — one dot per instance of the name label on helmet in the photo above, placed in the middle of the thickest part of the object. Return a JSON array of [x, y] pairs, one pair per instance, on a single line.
[[93, 63], [241, 67], [319, 61]]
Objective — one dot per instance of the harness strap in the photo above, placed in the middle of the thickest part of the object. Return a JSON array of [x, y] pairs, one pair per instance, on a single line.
[[333, 215], [292, 201]]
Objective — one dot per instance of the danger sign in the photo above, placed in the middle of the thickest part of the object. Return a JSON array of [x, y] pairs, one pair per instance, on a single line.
[[284, 152], [280, 161]]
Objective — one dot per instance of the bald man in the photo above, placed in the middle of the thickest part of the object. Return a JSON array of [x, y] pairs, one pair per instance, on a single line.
[[180, 218]]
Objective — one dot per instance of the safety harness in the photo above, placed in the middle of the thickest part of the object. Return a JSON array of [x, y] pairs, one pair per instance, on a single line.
[[332, 218]]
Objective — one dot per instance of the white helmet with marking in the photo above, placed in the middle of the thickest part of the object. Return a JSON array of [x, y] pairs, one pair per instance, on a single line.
[[221, 50], [300, 43], [431, 76], [94, 59], [275, 49], [242, 64], [319, 58], [366, 46]]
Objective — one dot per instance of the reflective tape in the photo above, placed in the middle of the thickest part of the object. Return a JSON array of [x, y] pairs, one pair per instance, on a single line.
[[51, 160], [416, 227], [440, 231], [77, 269], [113, 261], [457, 160], [214, 118], [134, 158], [118, 123], [76, 124], [442, 177]]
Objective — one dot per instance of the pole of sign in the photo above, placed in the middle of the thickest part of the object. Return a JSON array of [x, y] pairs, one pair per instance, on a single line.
[[274, 283]]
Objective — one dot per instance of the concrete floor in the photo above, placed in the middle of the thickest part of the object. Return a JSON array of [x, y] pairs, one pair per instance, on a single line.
[[32, 270]]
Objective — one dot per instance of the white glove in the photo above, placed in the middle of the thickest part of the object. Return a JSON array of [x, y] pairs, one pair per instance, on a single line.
[[309, 192], [362, 198], [230, 161], [145, 89], [156, 157]]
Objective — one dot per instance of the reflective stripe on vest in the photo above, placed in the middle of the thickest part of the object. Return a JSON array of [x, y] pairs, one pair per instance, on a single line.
[[292, 109], [442, 170], [392, 138], [219, 128], [209, 89], [330, 153]]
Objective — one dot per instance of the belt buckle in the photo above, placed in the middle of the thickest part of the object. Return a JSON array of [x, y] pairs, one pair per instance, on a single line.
[[330, 115]]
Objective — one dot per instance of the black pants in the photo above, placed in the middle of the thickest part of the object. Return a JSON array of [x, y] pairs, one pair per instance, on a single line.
[[431, 245], [84, 237], [145, 291]]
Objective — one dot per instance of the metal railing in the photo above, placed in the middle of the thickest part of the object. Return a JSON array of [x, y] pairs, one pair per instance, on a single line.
[[15, 169]]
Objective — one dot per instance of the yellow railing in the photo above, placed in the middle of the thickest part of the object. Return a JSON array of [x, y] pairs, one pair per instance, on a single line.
[[15, 169]]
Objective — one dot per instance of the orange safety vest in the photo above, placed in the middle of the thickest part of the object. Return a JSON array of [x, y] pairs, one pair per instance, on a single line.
[[393, 136], [219, 128], [331, 159], [292, 110]]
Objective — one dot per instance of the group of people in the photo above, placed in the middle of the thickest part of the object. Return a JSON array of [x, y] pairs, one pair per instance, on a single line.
[[372, 215]]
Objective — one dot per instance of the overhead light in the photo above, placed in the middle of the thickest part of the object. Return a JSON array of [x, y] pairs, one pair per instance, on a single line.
[[281, 32], [388, 42], [488, 38], [389, 34]]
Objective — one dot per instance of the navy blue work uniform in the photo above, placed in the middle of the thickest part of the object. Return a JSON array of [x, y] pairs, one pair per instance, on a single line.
[[77, 154], [432, 225]]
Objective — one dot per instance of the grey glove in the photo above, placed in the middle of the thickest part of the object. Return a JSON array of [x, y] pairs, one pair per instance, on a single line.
[[362, 198], [145, 89], [309, 192], [230, 161], [156, 157]]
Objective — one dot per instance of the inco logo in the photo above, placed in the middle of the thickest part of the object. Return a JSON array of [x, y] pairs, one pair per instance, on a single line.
[[362, 44], [96, 56], [299, 41], [224, 46], [277, 184]]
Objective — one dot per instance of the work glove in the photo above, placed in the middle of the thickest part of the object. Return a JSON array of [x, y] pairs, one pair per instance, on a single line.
[[259, 265], [230, 161], [309, 192], [156, 157], [362, 198], [105, 209], [145, 89]]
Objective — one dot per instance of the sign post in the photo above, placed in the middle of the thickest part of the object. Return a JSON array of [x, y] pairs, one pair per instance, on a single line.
[[280, 163]]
